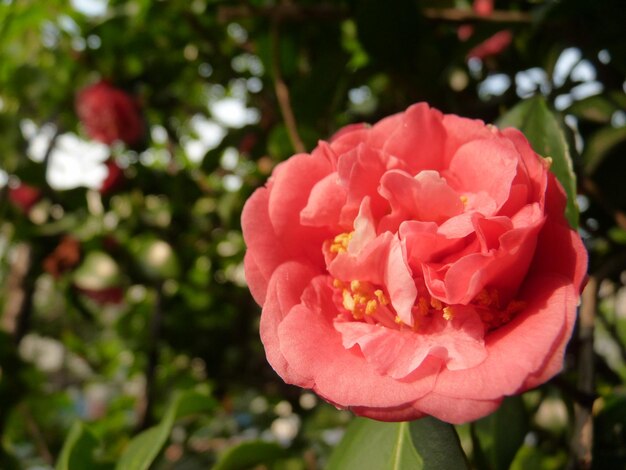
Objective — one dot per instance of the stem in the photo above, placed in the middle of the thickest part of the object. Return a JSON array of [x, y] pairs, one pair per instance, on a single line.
[[581, 455], [20, 288], [153, 359], [282, 94]]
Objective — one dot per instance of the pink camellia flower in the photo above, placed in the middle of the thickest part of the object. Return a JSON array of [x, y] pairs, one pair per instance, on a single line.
[[420, 266], [109, 114]]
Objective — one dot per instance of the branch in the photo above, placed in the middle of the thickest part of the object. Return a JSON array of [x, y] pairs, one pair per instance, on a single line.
[[282, 12], [459, 15], [282, 94], [289, 12]]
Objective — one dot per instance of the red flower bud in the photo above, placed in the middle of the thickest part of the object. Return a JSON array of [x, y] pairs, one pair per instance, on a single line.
[[24, 196], [492, 46], [109, 114], [114, 178]]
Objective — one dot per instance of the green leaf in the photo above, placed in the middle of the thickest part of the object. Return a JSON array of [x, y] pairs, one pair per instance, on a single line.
[[545, 133], [249, 454], [143, 450], [600, 145], [423, 444], [597, 108], [501, 434], [78, 450]]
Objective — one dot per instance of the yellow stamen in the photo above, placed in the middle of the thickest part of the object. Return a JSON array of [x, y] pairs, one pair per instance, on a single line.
[[340, 243], [371, 307], [382, 298], [422, 306], [337, 283], [464, 200], [448, 313], [398, 320], [436, 303]]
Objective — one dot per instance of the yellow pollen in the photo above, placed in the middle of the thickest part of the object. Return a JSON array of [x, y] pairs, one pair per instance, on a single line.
[[436, 303], [340, 242], [382, 298], [360, 298], [348, 301], [448, 313], [422, 306], [464, 200], [488, 298], [398, 320], [515, 306], [548, 162]]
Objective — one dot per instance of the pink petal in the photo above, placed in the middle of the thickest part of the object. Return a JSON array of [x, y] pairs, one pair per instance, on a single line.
[[398, 353], [425, 197], [419, 141], [423, 243], [456, 410], [313, 349], [325, 202], [521, 347], [284, 292], [485, 167], [561, 251], [292, 183]]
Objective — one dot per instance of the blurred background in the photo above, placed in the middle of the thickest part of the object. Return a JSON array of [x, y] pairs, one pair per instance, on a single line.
[[131, 134]]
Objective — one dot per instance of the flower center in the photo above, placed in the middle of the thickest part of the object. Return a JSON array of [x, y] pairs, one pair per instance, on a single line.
[[491, 311]]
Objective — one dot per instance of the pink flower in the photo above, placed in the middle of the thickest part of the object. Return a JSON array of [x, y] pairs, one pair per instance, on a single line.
[[109, 114], [421, 266]]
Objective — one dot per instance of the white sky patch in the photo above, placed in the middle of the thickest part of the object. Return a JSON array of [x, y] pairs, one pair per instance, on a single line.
[[232, 112], [564, 65], [209, 135], [90, 7], [75, 162], [494, 85]]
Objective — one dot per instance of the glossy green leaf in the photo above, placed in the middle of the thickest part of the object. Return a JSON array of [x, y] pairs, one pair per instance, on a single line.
[[143, 450], [423, 444], [78, 450], [498, 437], [544, 131], [249, 454]]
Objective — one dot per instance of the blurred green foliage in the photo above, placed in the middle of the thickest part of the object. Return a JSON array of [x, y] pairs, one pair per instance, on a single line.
[[145, 308]]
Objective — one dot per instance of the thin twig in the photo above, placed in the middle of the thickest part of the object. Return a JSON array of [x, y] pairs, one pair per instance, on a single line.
[[581, 454], [282, 94], [35, 432]]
